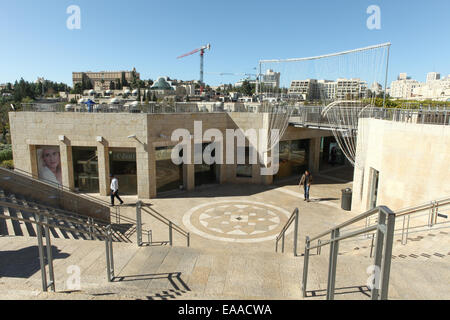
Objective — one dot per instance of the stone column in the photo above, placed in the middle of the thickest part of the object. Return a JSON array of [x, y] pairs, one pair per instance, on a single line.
[[189, 176], [34, 170], [65, 149], [314, 154], [146, 171], [103, 168]]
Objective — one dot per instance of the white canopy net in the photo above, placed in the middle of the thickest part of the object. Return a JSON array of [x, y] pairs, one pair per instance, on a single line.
[[345, 86]]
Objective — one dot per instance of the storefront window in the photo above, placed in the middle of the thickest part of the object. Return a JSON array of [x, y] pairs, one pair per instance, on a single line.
[[293, 158], [244, 170], [205, 173], [169, 176], [123, 166], [85, 169]]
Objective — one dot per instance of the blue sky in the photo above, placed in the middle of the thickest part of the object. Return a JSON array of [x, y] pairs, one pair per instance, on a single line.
[[149, 35]]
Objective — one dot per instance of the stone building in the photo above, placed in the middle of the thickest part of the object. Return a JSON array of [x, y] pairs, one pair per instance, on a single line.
[[102, 80], [137, 148]]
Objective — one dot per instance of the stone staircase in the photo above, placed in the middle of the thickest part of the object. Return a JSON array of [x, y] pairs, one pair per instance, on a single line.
[[10, 227], [162, 272]]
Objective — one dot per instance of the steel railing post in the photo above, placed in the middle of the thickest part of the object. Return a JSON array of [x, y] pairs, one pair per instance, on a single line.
[[108, 265], [139, 223], [296, 234], [48, 244], [378, 253], [403, 230], [282, 242], [170, 234], [334, 248], [91, 228], [387, 254], [188, 239], [371, 245], [41, 253], [276, 245], [305, 267], [111, 253]]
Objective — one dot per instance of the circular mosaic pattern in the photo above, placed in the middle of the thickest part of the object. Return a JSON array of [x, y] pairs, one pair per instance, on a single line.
[[236, 221]]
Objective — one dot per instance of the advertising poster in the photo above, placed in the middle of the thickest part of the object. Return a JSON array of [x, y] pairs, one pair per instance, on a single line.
[[49, 164]]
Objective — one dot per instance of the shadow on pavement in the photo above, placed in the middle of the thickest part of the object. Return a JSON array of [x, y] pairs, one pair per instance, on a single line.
[[23, 263]]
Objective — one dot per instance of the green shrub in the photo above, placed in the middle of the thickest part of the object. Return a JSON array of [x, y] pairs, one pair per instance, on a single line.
[[8, 164], [6, 154]]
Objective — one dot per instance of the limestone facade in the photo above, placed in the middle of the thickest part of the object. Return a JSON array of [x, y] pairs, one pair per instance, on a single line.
[[105, 131]]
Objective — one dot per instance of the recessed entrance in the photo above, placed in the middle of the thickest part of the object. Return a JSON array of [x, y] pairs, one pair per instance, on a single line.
[[293, 158], [122, 163], [169, 176], [375, 174], [85, 169], [205, 173]]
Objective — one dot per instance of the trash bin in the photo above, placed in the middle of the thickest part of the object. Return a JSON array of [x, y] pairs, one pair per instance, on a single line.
[[346, 200]]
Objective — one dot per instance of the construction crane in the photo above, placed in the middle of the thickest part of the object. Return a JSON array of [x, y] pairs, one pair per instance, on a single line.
[[248, 75], [202, 53]]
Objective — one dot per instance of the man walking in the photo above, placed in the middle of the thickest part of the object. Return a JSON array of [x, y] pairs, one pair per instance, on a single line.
[[114, 189], [306, 181]]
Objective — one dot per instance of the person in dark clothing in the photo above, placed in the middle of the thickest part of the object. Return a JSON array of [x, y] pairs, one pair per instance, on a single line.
[[114, 189], [306, 181]]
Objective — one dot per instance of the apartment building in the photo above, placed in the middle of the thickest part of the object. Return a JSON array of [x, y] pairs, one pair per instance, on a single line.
[[102, 80], [403, 87], [271, 79], [341, 89], [306, 89]]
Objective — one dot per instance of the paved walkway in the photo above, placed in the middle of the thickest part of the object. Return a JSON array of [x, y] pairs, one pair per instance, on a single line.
[[232, 253]]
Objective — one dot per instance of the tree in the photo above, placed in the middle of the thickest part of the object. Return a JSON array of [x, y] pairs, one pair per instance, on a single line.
[[78, 88], [124, 81], [246, 88]]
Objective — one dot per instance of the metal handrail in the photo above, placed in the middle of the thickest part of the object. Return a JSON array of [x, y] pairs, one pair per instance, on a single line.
[[56, 211], [165, 220], [44, 213], [61, 187], [172, 226], [43, 226], [282, 235], [384, 228]]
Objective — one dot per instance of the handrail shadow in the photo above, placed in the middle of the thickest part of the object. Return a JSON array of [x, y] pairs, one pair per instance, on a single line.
[[338, 291], [170, 276]]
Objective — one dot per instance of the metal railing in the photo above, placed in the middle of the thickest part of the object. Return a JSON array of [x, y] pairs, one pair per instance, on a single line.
[[172, 226], [282, 235], [418, 219], [43, 224], [303, 114], [114, 211], [384, 228]]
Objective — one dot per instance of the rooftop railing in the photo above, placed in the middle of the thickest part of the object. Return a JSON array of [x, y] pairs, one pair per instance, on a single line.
[[300, 115]]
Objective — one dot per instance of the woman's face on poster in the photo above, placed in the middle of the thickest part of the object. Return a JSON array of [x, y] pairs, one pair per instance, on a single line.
[[51, 158]]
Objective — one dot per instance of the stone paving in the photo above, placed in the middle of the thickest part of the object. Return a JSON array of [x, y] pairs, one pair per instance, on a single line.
[[232, 253]]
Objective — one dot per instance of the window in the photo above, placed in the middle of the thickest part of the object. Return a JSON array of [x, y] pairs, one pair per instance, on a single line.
[[245, 170]]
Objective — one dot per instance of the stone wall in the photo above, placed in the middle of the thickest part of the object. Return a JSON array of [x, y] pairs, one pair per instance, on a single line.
[[412, 160], [111, 130]]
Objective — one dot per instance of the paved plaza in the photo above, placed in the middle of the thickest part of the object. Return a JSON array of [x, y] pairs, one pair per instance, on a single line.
[[232, 253]]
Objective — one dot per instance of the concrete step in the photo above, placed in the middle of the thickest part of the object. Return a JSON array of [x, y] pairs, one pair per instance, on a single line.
[[9, 227], [207, 273]]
